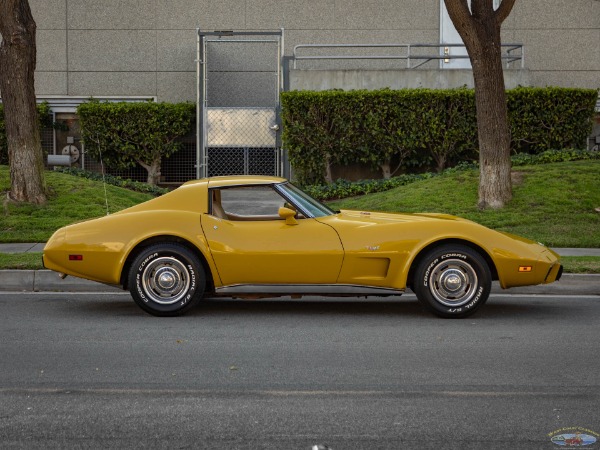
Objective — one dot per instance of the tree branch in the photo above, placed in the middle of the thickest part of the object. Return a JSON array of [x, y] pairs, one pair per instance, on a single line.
[[504, 10], [463, 21], [458, 10]]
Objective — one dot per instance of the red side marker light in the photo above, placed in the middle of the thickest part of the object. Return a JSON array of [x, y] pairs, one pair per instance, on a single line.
[[525, 268], [75, 257]]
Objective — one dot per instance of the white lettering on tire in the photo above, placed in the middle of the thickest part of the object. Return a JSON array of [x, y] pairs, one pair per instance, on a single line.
[[428, 271]]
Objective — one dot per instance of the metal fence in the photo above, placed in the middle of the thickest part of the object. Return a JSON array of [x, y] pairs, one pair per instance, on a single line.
[[249, 161], [47, 140], [239, 81], [175, 170]]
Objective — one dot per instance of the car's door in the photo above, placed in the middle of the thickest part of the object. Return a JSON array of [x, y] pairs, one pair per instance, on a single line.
[[251, 244]]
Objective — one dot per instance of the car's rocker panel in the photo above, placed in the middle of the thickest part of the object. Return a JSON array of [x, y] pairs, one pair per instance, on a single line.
[[293, 290]]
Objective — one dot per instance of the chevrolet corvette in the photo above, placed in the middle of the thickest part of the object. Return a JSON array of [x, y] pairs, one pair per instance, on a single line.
[[257, 236]]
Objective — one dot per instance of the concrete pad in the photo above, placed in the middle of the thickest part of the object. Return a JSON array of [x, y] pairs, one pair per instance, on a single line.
[[19, 247], [37, 248], [577, 251]]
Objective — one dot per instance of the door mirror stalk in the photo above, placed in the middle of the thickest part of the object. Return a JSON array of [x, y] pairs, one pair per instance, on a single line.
[[288, 215]]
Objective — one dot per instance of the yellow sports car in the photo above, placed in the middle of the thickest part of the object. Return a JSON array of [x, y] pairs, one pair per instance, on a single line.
[[256, 236]]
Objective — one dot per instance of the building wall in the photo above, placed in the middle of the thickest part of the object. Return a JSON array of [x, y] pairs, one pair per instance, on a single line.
[[148, 47], [562, 40], [321, 80]]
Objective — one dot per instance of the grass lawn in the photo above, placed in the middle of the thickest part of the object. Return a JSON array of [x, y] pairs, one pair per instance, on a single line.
[[21, 261], [581, 264], [71, 199], [553, 203]]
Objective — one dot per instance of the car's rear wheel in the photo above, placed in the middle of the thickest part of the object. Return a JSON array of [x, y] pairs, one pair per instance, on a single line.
[[166, 279], [452, 281]]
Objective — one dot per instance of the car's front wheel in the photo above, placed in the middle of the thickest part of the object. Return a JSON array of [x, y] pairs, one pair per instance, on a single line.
[[452, 281], [166, 279]]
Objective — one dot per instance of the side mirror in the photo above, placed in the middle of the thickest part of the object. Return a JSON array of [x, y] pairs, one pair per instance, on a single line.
[[288, 214]]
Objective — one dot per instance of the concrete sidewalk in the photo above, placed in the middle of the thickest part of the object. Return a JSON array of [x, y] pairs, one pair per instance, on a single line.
[[33, 247]]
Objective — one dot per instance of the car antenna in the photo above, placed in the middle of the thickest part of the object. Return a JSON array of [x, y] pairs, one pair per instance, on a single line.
[[104, 184], [103, 176]]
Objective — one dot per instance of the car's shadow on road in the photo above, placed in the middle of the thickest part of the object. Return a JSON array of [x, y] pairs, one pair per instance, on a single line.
[[266, 307], [401, 307]]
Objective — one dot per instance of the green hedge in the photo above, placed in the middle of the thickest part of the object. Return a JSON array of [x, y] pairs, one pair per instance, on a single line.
[[550, 118], [421, 129], [126, 133], [45, 122]]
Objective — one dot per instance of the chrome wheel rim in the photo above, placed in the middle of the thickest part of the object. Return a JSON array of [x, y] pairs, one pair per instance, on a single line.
[[453, 283], [165, 280]]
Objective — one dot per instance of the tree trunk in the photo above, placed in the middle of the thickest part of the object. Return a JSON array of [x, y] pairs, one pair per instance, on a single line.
[[479, 27], [17, 67], [153, 171], [494, 133], [386, 169], [328, 174], [440, 160]]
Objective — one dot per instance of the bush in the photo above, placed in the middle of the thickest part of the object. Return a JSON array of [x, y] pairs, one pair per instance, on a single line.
[[126, 133], [407, 128], [549, 118], [343, 189], [421, 128], [553, 156]]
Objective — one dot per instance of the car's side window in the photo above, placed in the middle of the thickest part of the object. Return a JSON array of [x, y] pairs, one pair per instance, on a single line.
[[246, 203]]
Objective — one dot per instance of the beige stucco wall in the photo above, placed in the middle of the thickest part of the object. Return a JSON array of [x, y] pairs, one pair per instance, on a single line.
[[320, 80], [147, 47]]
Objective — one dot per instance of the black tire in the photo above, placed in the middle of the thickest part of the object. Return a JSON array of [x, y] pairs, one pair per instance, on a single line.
[[166, 279], [452, 281]]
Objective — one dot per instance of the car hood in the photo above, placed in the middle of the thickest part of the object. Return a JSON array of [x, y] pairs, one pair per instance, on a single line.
[[430, 227], [382, 217]]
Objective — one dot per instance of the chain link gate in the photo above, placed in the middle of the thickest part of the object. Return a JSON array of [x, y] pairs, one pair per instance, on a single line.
[[239, 81]]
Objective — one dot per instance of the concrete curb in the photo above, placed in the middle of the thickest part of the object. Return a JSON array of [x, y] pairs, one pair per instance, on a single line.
[[49, 281]]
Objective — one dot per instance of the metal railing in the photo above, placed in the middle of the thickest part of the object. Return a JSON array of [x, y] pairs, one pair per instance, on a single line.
[[510, 53]]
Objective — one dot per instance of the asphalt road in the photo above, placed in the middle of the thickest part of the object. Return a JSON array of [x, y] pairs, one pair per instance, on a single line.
[[93, 371]]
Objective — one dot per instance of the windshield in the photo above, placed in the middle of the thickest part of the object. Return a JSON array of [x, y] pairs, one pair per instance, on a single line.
[[304, 201]]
